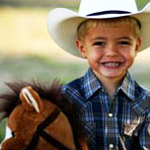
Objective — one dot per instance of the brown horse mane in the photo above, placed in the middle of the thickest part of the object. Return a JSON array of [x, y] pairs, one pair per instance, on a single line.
[[9, 100]]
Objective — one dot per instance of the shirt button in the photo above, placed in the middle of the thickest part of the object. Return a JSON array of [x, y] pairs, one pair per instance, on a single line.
[[110, 115], [111, 145]]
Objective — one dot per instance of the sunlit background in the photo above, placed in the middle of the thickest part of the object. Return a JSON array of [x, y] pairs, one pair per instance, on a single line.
[[27, 51]]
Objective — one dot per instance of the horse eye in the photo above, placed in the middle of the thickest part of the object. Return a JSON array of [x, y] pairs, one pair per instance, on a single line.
[[13, 134]]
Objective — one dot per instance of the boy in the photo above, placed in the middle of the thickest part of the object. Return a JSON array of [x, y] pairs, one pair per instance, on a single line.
[[114, 109]]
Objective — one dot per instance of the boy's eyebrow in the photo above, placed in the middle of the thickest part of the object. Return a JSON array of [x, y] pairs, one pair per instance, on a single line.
[[103, 38], [126, 38], [98, 38]]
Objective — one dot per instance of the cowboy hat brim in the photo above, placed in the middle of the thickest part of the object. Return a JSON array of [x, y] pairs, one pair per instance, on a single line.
[[63, 23]]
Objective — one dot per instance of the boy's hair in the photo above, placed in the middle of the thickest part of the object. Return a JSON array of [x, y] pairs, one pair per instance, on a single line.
[[85, 26]]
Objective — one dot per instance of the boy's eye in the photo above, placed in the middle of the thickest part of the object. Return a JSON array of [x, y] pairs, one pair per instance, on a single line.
[[124, 43], [99, 43]]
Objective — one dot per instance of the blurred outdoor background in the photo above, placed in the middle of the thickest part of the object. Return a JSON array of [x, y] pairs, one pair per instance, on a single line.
[[27, 51]]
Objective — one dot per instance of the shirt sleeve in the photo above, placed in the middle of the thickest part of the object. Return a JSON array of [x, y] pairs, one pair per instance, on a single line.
[[145, 135]]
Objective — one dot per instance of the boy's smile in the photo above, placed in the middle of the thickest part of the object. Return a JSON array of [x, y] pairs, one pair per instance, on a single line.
[[110, 50]]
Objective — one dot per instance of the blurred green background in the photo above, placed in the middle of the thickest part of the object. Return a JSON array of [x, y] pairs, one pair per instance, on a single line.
[[27, 51]]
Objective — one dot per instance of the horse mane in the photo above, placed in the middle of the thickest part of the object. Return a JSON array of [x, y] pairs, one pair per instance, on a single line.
[[9, 100]]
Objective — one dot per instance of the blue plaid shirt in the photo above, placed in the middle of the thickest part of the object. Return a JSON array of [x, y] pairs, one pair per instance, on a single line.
[[119, 124]]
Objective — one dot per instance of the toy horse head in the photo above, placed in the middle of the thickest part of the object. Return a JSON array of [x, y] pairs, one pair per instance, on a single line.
[[38, 120]]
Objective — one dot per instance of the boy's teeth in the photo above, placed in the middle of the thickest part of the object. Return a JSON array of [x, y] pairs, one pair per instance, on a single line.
[[111, 64]]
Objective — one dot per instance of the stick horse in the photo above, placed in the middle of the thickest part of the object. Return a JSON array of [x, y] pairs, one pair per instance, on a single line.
[[39, 119]]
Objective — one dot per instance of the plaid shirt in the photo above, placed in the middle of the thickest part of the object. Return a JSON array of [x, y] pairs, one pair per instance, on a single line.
[[119, 124]]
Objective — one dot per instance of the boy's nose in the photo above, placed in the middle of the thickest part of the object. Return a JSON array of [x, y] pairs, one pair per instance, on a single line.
[[111, 50]]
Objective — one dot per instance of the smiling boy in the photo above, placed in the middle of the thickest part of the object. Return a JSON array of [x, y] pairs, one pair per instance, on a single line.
[[110, 49], [113, 108]]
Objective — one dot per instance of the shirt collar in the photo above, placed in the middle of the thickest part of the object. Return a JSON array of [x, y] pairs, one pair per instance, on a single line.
[[91, 84], [128, 86]]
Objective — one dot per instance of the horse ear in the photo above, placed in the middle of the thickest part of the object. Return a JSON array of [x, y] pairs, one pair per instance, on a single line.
[[31, 100]]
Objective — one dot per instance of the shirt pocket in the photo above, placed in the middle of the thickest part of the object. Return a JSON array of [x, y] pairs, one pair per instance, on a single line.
[[134, 124], [132, 130], [132, 127], [134, 121]]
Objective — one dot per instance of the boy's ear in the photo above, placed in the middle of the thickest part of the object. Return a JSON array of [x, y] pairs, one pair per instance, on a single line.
[[81, 48], [138, 44]]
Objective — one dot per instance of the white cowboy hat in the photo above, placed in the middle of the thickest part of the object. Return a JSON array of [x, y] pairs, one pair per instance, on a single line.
[[62, 23]]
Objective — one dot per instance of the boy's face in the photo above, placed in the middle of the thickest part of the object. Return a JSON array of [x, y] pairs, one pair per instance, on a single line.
[[109, 50]]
